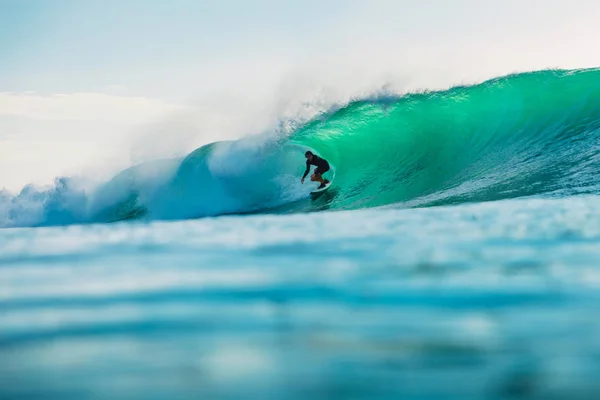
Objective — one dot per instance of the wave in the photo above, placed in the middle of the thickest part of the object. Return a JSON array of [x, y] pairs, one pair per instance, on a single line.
[[519, 135]]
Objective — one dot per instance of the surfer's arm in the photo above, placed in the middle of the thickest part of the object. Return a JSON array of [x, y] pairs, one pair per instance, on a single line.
[[307, 171]]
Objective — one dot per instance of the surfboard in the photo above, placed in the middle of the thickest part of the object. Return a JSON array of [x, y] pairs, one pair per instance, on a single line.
[[322, 189]]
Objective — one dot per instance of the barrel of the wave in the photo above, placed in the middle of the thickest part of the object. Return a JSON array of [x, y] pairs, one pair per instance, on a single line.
[[512, 136]]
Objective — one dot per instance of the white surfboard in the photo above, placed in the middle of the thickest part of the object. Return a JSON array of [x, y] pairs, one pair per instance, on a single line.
[[323, 188]]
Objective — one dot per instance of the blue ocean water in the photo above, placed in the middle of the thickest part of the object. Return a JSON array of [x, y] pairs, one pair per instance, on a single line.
[[489, 300], [455, 256]]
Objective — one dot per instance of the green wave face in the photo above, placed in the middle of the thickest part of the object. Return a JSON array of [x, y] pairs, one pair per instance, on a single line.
[[508, 137]]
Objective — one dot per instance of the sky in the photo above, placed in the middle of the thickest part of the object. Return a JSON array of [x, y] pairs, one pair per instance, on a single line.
[[90, 87]]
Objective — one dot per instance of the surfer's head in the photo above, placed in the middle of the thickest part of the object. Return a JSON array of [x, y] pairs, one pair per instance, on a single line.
[[309, 155]]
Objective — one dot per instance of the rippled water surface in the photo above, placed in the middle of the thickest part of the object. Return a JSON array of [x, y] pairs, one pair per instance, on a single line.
[[488, 300]]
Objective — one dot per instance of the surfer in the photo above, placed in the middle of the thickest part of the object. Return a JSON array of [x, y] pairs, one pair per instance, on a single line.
[[322, 167]]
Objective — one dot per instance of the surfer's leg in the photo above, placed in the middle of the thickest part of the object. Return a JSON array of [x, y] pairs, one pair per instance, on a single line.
[[316, 177], [323, 181]]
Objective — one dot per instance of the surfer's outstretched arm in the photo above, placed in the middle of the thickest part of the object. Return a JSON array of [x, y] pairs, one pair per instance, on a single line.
[[306, 172]]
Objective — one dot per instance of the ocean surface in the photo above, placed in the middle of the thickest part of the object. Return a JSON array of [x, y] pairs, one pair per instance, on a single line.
[[456, 255]]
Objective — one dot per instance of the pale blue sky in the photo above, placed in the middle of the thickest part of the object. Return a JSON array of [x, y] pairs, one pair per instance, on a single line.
[[58, 45], [82, 45], [77, 77]]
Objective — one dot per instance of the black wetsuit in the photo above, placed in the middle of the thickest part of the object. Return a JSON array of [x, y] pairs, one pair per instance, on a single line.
[[321, 164]]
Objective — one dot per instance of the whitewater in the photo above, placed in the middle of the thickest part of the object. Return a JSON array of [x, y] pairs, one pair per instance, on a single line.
[[456, 255]]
